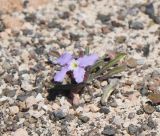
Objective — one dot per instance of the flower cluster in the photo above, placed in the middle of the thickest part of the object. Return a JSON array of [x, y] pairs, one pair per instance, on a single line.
[[77, 66]]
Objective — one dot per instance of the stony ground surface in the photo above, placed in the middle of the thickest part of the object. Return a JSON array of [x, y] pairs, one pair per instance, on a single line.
[[30, 29]]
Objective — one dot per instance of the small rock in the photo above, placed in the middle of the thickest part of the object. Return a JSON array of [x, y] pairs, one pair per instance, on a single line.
[[104, 110], [20, 132], [133, 11], [54, 24], [9, 93], [149, 10], [136, 25], [93, 108], [30, 101], [103, 18], [109, 131], [113, 103], [59, 114], [146, 50], [84, 119], [120, 39], [131, 115], [139, 112], [36, 114], [132, 129], [104, 83], [144, 91], [131, 62], [64, 15], [2, 28], [26, 86], [14, 110], [156, 19], [72, 7], [22, 97]]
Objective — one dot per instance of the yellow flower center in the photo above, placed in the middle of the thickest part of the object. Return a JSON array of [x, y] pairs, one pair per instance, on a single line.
[[73, 64]]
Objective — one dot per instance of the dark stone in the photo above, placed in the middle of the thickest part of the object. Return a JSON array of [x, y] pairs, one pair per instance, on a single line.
[[149, 10], [22, 97], [27, 32], [156, 19], [40, 50], [104, 110], [132, 129], [72, 7], [84, 119], [146, 50], [59, 115], [113, 103], [54, 24], [144, 91], [2, 26], [74, 37], [103, 18], [109, 131], [139, 112], [136, 25], [35, 106], [9, 93], [131, 115], [31, 17], [64, 15]]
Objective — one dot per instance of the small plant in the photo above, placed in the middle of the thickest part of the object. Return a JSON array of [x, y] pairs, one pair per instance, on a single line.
[[79, 72]]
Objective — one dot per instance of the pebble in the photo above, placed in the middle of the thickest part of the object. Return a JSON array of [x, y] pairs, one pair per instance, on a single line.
[[30, 101], [2, 26], [139, 112], [20, 132], [72, 7], [104, 110], [113, 103], [120, 39], [131, 62], [14, 110], [132, 129], [9, 93], [84, 119], [109, 130], [59, 114], [131, 115], [136, 25], [148, 109], [103, 18], [22, 97]]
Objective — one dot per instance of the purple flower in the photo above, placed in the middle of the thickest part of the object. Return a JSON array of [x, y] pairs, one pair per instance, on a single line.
[[77, 66]]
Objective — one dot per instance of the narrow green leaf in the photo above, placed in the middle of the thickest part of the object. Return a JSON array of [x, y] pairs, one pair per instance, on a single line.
[[119, 57], [113, 71], [107, 91]]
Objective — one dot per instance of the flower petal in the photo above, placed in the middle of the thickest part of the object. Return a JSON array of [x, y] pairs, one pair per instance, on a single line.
[[64, 59], [61, 74], [79, 74], [87, 60]]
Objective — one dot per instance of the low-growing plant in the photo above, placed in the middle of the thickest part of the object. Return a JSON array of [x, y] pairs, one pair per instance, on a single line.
[[79, 72]]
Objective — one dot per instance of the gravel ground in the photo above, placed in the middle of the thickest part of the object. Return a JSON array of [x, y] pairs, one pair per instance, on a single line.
[[30, 30]]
